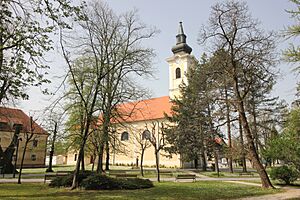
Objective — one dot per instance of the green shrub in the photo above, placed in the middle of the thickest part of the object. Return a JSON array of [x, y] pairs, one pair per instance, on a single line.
[[102, 182], [99, 182], [66, 181], [62, 181], [136, 183], [284, 173]]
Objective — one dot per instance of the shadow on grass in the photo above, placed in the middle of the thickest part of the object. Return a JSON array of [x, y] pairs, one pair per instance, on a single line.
[[167, 190]]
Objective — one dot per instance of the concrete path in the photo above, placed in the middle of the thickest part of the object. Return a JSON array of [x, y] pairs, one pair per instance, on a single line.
[[290, 193], [24, 180]]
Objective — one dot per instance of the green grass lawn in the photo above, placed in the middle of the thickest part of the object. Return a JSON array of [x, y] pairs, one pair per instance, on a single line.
[[164, 191], [55, 168]]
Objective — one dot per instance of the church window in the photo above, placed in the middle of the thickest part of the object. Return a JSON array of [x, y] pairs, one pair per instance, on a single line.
[[146, 135], [178, 73], [33, 157], [34, 143], [124, 136]]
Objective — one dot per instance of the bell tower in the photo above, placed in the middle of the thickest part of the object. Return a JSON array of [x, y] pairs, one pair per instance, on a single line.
[[179, 63]]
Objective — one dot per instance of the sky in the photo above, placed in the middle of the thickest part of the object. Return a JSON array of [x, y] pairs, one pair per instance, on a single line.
[[165, 15]]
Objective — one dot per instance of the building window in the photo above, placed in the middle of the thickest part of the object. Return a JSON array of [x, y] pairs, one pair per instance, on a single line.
[[33, 157], [75, 157], [177, 73], [34, 143], [3, 125], [146, 135], [124, 136]]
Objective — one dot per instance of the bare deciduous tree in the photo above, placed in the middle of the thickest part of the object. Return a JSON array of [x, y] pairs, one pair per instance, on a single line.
[[230, 27], [113, 45], [142, 143], [157, 139]]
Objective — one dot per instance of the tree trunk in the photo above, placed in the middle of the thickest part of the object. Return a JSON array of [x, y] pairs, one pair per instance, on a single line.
[[93, 160], [93, 164], [203, 151], [77, 168], [16, 159], [22, 161], [255, 132], [228, 131], [100, 160], [196, 163], [157, 165], [82, 161], [49, 169], [142, 158], [243, 156], [107, 156], [266, 183], [204, 163], [216, 161]]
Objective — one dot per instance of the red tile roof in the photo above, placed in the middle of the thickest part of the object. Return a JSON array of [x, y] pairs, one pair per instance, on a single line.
[[148, 109], [11, 116]]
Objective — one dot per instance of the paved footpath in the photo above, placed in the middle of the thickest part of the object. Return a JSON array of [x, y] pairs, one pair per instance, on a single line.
[[290, 193], [24, 180]]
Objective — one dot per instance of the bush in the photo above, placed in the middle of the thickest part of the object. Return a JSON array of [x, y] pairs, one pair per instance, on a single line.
[[66, 181], [62, 181], [99, 182], [136, 183], [284, 173], [102, 182]]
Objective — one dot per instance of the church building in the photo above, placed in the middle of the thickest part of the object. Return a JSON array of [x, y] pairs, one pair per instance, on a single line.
[[147, 117]]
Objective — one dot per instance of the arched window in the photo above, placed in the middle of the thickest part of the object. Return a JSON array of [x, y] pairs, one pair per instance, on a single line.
[[146, 135], [124, 136], [177, 73]]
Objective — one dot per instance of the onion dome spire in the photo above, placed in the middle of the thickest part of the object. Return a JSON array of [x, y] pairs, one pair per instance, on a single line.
[[181, 45]]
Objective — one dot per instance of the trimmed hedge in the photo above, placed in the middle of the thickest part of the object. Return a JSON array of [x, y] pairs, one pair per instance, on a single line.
[[102, 182]]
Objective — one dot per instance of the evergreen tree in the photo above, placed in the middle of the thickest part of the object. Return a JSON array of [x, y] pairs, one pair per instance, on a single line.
[[189, 133], [285, 146]]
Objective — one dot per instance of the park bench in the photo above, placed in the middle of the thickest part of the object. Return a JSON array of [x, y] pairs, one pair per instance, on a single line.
[[246, 174], [186, 176], [49, 176], [126, 175]]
